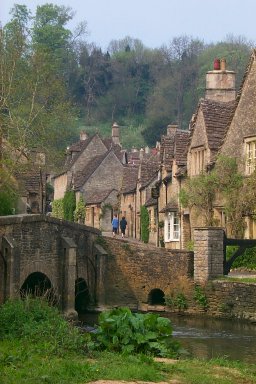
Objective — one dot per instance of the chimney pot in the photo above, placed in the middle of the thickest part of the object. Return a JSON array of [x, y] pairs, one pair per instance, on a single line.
[[216, 64], [223, 64]]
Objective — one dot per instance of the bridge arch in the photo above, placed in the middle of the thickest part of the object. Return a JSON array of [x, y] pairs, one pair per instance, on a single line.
[[156, 297], [82, 296], [38, 284]]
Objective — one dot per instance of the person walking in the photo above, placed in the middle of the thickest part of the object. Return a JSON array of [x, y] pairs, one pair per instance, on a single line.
[[115, 222], [123, 225]]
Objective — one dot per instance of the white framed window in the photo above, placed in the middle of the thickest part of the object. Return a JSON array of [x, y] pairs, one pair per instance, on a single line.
[[250, 153], [172, 227]]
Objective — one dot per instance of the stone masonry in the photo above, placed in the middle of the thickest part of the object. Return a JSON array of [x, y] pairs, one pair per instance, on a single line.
[[208, 253]]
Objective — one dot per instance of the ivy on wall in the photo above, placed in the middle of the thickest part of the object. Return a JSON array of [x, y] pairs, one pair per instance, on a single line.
[[144, 217], [79, 214], [69, 205]]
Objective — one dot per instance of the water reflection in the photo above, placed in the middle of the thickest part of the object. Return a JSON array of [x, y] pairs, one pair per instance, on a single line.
[[210, 338]]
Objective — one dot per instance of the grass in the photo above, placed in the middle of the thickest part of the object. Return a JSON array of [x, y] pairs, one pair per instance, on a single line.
[[239, 279], [28, 364], [38, 346]]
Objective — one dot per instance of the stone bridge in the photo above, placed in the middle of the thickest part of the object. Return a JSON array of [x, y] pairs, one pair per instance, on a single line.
[[79, 268]]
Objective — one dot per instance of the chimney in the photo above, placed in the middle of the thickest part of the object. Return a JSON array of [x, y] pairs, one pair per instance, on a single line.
[[171, 129], [83, 135], [220, 83], [115, 134], [141, 153]]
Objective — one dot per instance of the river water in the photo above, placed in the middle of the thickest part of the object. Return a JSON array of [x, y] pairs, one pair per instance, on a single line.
[[208, 338]]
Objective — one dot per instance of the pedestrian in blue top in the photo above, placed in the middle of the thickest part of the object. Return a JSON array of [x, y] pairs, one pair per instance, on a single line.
[[115, 225]]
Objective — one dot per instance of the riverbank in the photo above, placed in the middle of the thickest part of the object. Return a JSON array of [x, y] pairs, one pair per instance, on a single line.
[[27, 363]]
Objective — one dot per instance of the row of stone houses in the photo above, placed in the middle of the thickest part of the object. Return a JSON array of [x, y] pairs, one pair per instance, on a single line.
[[111, 179]]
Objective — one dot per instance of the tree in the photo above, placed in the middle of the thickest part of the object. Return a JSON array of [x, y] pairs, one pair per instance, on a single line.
[[35, 109]]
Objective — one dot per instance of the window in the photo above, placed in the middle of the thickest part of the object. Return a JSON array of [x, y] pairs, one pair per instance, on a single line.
[[172, 227], [250, 151], [197, 161]]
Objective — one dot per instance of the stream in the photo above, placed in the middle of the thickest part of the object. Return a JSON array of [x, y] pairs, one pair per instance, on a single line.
[[207, 338]]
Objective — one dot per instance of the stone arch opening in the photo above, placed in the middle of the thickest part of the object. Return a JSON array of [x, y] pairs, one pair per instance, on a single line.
[[82, 296], [156, 297], [37, 284]]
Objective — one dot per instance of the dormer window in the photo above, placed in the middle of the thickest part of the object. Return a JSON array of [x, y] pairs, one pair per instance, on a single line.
[[197, 161], [250, 155]]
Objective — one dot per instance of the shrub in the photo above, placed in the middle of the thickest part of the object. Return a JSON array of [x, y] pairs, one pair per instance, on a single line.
[[8, 202], [200, 297], [246, 260], [69, 205], [57, 209], [120, 330], [36, 320]]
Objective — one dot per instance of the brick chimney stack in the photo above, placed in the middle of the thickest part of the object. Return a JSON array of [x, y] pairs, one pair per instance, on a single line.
[[115, 134], [220, 83]]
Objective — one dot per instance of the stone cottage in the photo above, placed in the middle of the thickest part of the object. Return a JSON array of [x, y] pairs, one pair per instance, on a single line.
[[93, 169], [208, 128], [174, 231], [240, 139]]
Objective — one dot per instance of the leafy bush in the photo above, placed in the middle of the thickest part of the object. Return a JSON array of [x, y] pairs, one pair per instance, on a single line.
[[247, 260], [79, 214], [57, 209], [35, 320], [200, 297], [120, 330], [7, 203]]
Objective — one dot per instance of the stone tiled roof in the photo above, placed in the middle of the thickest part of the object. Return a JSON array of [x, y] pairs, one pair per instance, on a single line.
[[149, 169], [171, 206], [217, 117], [81, 177], [181, 145], [151, 201], [130, 177], [174, 147], [30, 181], [97, 197], [248, 68]]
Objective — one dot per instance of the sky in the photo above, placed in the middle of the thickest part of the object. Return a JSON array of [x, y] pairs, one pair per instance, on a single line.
[[154, 22]]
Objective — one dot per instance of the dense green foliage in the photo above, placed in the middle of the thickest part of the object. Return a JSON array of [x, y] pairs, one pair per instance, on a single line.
[[57, 208], [7, 202], [34, 319], [144, 223], [246, 261], [69, 205], [120, 330], [79, 214]]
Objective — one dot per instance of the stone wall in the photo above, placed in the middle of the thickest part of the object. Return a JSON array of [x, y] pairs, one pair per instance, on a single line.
[[225, 299], [132, 270]]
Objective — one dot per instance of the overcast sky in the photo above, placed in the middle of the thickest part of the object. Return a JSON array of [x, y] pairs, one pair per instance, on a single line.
[[155, 22]]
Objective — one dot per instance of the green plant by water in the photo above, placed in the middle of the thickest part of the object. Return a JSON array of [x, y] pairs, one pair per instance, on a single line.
[[120, 330]]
